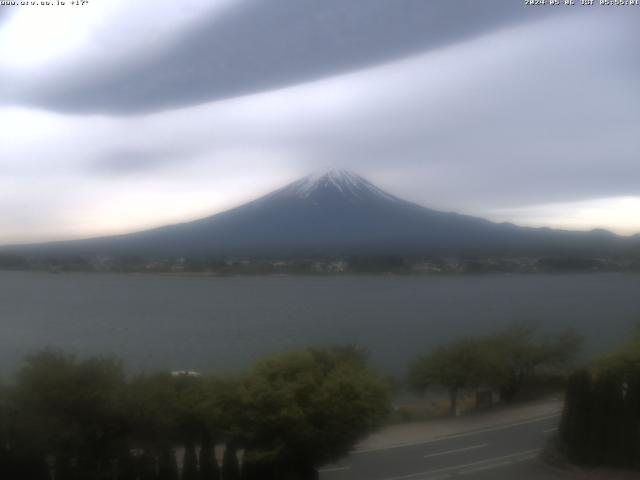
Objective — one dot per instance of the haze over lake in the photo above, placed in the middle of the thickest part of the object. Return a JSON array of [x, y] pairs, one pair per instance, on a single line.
[[218, 324]]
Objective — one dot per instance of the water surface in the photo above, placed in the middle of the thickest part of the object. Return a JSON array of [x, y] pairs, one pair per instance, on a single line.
[[210, 324]]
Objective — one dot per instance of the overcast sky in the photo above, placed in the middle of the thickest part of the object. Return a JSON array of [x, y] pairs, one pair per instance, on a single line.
[[120, 115]]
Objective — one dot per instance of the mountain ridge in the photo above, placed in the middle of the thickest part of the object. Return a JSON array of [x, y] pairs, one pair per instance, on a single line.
[[338, 212]]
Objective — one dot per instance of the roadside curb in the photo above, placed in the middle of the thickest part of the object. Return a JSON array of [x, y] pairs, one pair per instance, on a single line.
[[461, 433]]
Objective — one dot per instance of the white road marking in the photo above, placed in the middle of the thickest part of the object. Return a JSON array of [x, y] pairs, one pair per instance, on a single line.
[[484, 468], [509, 460], [458, 435], [333, 469], [549, 430], [464, 469], [465, 449]]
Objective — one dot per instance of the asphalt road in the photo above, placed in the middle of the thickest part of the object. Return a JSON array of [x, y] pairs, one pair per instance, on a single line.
[[506, 452]]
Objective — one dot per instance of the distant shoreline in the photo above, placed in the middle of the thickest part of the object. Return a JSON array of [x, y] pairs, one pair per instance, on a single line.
[[209, 275], [378, 264]]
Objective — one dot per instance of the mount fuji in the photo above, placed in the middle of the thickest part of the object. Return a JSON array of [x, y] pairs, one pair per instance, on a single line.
[[337, 212]]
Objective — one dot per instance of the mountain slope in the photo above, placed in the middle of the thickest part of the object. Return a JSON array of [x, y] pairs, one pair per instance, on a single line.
[[338, 212]]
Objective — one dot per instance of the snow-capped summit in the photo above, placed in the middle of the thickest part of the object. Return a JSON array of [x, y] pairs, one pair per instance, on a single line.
[[335, 181]]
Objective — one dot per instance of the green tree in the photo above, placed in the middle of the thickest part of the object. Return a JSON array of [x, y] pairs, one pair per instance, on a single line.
[[636, 331], [303, 409], [623, 362], [521, 350], [460, 365], [190, 415], [152, 405], [72, 409]]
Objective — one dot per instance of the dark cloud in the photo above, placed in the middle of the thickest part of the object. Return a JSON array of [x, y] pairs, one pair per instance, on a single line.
[[259, 45], [127, 162], [4, 13]]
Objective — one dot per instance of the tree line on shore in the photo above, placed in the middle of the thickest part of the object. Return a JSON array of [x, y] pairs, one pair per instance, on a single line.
[[321, 264], [83, 419]]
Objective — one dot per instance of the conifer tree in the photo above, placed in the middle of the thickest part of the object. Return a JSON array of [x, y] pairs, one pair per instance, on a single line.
[[575, 424], [604, 401], [190, 462], [28, 466], [254, 469], [617, 422], [147, 466], [126, 467], [631, 439], [64, 468], [230, 466], [167, 465], [209, 469]]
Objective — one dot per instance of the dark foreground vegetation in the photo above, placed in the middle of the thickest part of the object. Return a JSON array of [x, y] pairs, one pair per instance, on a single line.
[[66, 418], [601, 422]]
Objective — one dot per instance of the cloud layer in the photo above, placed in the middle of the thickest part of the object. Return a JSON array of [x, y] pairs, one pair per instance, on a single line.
[[523, 118], [185, 53]]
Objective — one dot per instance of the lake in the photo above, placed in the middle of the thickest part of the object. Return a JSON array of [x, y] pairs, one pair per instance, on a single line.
[[219, 324]]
